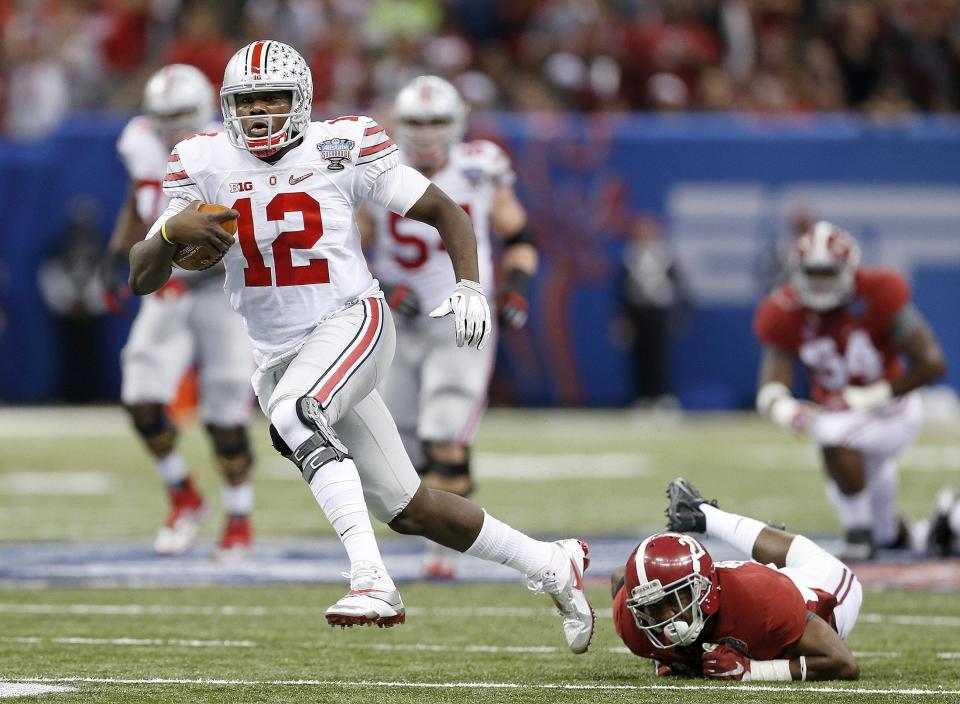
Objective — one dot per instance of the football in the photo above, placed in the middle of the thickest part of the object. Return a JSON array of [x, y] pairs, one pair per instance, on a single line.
[[197, 257]]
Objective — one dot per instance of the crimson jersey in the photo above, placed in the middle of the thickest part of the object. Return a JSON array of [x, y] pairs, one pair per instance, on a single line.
[[851, 345], [762, 612]]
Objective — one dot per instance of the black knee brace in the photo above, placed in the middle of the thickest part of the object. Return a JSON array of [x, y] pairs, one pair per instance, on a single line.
[[443, 469], [232, 448], [154, 427], [322, 447]]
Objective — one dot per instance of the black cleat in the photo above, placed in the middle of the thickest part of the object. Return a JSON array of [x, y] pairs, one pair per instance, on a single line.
[[940, 537], [857, 546], [683, 513]]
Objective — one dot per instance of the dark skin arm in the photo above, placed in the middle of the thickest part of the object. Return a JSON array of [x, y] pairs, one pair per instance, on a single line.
[[437, 209], [827, 656], [926, 362], [151, 259]]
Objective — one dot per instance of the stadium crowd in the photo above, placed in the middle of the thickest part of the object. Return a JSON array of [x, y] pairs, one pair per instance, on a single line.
[[884, 57]]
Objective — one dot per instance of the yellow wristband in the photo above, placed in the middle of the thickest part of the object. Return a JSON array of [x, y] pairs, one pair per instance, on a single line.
[[163, 233]]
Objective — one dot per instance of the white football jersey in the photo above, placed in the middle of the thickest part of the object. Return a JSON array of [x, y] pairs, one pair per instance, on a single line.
[[144, 155], [411, 253], [298, 257]]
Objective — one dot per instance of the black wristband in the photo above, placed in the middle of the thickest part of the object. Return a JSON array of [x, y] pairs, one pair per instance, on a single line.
[[518, 280], [522, 236]]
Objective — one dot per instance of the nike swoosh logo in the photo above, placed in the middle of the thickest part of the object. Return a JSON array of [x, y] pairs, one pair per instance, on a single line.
[[347, 531], [577, 580], [735, 672], [294, 181]]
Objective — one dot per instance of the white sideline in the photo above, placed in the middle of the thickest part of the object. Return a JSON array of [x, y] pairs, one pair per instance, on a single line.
[[177, 642], [442, 611], [748, 688]]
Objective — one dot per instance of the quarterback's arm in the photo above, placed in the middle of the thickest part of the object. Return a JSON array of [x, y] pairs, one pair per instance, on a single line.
[[151, 259], [437, 210]]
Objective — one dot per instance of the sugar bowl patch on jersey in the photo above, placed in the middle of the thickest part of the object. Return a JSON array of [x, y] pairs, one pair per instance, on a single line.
[[336, 151]]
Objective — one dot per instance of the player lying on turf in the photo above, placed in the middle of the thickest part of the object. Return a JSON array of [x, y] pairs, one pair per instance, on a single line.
[[783, 616], [322, 334]]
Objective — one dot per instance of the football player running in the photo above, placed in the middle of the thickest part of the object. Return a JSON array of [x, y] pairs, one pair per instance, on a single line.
[[436, 391], [186, 321], [322, 334], [849, 325], [782, 616]]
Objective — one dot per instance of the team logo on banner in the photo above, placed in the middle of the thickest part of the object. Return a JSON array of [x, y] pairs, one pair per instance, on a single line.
[[336, 151]]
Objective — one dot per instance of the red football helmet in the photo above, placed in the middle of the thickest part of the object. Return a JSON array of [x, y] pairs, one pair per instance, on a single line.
[[671, 588], [823, 264]]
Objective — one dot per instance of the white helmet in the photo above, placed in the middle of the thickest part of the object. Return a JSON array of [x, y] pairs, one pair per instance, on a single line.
[[429, 116], [823, 265], [179, 102], [267, 66]]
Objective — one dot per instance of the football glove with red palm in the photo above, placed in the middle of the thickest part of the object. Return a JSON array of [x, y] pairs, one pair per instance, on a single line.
[[512, 300], [116, 292], [723, 662], [401, 299]]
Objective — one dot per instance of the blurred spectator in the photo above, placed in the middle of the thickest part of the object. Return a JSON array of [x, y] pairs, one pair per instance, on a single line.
[[653, 301], [199, 42], [884, 58]]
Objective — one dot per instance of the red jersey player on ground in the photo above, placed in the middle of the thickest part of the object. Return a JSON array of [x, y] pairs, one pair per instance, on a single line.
[[322, 334], [849, 325], [782, 617]]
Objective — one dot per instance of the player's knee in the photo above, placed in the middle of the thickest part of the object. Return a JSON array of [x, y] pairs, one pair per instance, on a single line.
[[154, 426], [232, 448], [416, 515], [447, 467], [803, 551], [300, 432]]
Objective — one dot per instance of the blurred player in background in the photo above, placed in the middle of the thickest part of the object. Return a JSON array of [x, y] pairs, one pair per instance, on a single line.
[[849, 325], [435, 390], [323, 336], [783, 616], [187, 321]]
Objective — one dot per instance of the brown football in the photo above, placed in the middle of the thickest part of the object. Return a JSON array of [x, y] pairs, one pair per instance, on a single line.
[[197, 257]]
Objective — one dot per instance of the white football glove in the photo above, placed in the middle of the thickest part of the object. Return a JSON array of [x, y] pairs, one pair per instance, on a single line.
[[866, 398], [775, 401], [471, 314]]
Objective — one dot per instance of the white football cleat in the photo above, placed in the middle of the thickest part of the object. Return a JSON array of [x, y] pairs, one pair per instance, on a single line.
[[188, 509], [562, 580], [372, 600], [180, 532]]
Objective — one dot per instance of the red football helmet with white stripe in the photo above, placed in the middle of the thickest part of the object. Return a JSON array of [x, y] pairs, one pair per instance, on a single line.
[[178, 99], [260, 67], [430, 117], [671, 585], [823, 266]]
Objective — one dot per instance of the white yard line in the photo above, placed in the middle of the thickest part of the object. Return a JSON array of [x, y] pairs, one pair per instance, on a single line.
[[438, 611], [8, 690], [745, 688], [176, 642]]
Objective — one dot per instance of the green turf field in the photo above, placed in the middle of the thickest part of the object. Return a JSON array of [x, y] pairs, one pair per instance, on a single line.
[[81, 476]]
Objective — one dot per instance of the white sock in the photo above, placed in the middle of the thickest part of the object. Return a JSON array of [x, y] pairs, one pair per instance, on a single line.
[[855, 511], [337, 488], [172, 468], [737, 531], [882, 484], [953, 518], [498, 542], [237, 499]]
